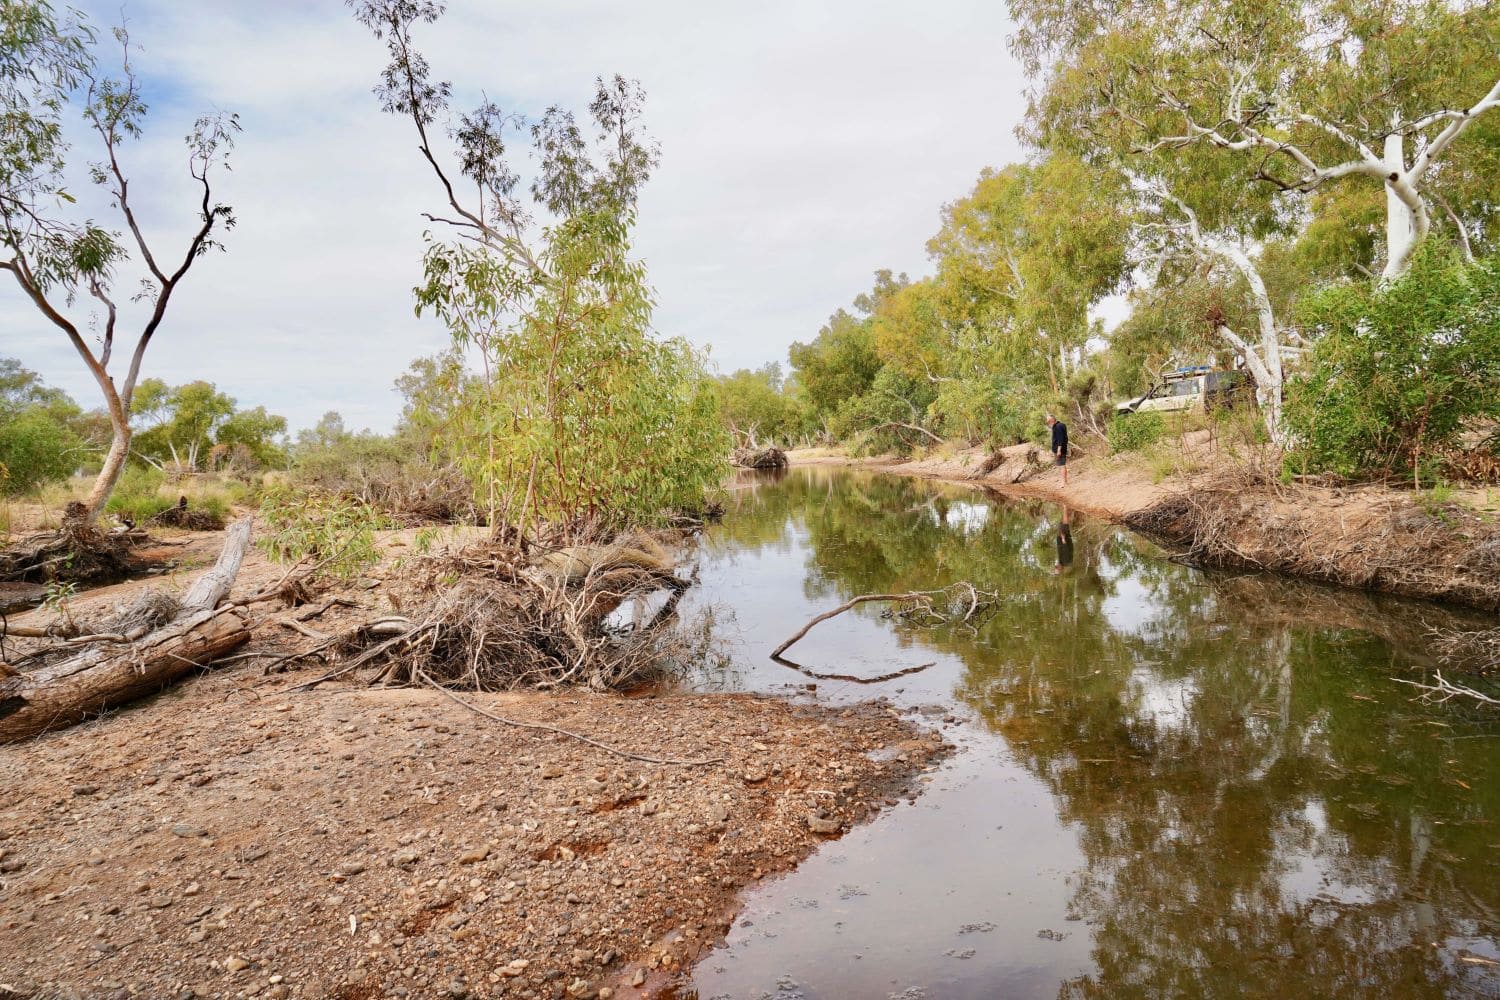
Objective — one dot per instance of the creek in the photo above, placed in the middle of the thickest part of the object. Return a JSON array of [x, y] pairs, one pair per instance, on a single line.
[[1167, 782]]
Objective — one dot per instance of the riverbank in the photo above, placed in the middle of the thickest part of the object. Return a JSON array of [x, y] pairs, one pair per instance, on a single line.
[[235, 837], [1209, 508]]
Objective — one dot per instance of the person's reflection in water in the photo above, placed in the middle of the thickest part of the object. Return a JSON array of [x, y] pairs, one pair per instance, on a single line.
[[1064, 542]]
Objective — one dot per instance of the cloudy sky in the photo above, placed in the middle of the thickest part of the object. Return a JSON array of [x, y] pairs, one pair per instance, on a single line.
[[804, 145]]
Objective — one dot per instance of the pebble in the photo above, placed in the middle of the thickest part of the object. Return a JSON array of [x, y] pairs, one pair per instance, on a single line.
[[351, 867], [236, 964], [474, 855], [823, 824], [188, 830], [85, 789], [160, 902]]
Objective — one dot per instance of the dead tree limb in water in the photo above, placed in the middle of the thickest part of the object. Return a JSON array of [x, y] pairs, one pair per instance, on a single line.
[[107, 673], [1446, 690], [962, 599]]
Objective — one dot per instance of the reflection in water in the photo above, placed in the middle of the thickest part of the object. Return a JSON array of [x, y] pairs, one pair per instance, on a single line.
[[1064, 540], [1242, 803]]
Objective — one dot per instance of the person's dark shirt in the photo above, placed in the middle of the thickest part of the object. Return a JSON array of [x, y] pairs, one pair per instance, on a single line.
[[1064, 547], [1059, 437]]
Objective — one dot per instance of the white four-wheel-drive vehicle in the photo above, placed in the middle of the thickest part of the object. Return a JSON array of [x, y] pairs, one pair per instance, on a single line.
[[1195, 388]]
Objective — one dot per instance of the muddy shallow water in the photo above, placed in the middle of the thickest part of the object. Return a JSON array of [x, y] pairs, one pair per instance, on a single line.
[[1169, 783]]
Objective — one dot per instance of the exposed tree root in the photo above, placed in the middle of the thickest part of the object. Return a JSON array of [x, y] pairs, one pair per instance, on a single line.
[[80, 551], [501, 616]]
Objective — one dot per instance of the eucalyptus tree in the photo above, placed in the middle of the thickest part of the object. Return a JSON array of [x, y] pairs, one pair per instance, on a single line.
[[63, 262], [578, 409], [1228, 115], [1025, 255]]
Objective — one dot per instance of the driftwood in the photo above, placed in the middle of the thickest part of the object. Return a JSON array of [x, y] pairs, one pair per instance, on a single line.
[[957, 604], [1445, 690], [110, 672], [759, 458]]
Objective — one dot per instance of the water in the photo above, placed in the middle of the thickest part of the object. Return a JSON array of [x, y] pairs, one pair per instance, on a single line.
[[1168, 783]]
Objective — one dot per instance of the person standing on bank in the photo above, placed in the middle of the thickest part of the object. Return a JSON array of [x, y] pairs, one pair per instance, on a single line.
[[1059, 445]]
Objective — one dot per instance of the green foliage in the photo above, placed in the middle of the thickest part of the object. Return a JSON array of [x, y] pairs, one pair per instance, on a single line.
[[756, 404], [1398, 370], [336, 533], [893, 398], [194, 426], [35, 448], [838, 365], [40, 440], [138, 494], [1136, 431], [990, 408], [578, 411], [254, 435], [395, 474]]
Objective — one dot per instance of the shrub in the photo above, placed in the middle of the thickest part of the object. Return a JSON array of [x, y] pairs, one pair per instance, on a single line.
[[1135, 431], [992, 409], [1398, 370], [137, 496], [893, 398], [393, 475], [578, 411], [35, 448], [337, 532]]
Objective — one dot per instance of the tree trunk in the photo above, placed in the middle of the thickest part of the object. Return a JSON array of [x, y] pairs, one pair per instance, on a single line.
[[1400, 221], [114, 464], [115, 673]]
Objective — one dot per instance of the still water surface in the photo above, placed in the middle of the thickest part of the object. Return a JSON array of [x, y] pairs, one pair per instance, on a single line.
[[1168, 783]]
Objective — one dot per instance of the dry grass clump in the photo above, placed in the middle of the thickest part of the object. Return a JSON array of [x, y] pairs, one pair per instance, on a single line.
[[1242, 519]]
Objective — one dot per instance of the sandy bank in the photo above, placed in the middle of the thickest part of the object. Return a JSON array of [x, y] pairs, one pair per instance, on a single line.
[[232, 839]]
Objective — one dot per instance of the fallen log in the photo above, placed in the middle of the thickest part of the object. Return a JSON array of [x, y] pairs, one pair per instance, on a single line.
[[108, 674]]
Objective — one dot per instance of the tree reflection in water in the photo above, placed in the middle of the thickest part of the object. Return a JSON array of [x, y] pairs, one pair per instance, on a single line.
[[1263, 812]]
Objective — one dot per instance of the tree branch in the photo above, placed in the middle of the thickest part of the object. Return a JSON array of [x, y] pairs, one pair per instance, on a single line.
[[1455, 128]]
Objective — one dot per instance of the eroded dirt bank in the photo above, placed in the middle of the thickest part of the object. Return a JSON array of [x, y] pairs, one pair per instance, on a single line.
[[231, 838], [1370, 537]]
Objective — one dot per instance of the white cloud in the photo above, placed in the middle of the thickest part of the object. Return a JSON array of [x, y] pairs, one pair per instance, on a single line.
[[804, 145]]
